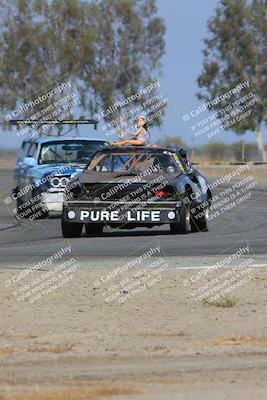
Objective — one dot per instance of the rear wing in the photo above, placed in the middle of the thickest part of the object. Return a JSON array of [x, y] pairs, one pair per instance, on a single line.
[[75, 122]]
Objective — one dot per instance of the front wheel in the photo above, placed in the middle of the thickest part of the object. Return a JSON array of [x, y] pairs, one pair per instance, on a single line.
[[94, 229], [22, 211], [184, 225], [71, 230], [200, 222], [38, 208], [33, 208]]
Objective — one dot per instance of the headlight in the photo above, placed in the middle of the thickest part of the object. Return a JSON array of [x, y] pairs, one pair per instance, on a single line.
[[59, 182], [64, 181], [55, 182], [37, 183]]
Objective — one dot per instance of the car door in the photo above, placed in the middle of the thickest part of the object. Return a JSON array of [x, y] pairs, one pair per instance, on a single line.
[[27, 175], [24, 173], [19, 168]]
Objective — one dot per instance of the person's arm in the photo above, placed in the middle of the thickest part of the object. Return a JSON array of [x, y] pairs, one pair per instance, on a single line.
[[121, 132], [136, 133]]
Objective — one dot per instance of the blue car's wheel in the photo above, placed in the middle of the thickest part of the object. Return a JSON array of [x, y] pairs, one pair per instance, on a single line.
[[37, 207], [20, 212], [31, 208]]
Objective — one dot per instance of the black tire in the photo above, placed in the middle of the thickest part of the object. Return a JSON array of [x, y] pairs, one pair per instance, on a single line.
[[40, 212], [21, 212], [71, 230], [35, 210], [200, 224], [184, 225], [94, 229]]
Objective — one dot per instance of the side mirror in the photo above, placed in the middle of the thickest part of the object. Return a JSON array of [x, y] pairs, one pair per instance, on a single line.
[[29, 161], [190, 170], [183, 154]]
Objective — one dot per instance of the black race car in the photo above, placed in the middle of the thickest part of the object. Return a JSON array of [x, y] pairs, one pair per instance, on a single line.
[[128, 187]]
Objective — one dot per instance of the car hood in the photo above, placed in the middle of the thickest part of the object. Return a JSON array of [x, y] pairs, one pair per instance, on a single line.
[[103, 177], [64, 169]]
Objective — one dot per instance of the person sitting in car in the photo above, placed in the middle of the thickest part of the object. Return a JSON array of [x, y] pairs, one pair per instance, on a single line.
[[141, 137]]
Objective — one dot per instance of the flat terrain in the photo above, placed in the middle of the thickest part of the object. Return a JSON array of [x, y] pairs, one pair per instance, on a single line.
[[80, 342], [159, 345]]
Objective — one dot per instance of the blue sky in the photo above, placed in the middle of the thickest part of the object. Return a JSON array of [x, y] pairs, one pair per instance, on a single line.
[[186, 23]]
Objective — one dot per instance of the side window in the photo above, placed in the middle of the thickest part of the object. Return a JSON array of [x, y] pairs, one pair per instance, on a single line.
[[32, 150], [118, 163], [23, 151], [106, 164]]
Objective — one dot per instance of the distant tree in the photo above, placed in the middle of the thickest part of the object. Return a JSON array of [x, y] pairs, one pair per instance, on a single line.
[[237, 46], [216, 151], [108, 48], [244, 151], [32, 56], [128, 44], [25, 65]]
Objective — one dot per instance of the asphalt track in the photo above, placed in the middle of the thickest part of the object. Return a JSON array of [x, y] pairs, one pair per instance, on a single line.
[[245, 224]]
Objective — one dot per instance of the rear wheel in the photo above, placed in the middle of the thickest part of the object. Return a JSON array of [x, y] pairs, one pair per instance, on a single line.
[[71, 230], [184, 225], [94, 229]]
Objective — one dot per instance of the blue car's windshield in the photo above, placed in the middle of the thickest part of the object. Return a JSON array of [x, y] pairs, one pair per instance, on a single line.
[[78, 151]]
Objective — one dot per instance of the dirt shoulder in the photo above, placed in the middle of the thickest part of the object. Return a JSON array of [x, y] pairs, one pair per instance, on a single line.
[[214, 171], [160, 344]]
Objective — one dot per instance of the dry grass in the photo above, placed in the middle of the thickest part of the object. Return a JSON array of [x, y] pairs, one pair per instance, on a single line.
[[211, 161], [226, 302], [81, 393], [8, 161], [50, 348], [236, 340], [163, 334], [259, 173]]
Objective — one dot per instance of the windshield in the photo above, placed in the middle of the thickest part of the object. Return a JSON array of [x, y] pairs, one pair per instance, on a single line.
[[78, 151], [132, 163]]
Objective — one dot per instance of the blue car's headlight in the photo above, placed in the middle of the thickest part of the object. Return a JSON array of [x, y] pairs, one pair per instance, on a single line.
[[59, 182], [37, 182], [52, 180]]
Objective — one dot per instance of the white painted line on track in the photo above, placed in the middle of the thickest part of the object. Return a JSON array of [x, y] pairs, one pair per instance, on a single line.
[[222, 266]]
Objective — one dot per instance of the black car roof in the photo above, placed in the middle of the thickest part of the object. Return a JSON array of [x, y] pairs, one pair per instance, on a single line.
[[136, 149]]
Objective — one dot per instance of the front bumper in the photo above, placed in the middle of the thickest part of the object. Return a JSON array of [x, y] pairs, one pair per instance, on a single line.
[[53, 201], [154, 213]]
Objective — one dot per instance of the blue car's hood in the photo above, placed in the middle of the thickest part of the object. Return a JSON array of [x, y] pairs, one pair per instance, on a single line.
[[45, 169]]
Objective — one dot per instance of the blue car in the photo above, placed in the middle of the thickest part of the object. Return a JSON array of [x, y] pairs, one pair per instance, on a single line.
[[44, 167]]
